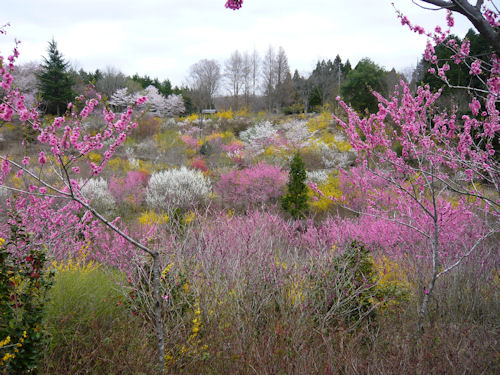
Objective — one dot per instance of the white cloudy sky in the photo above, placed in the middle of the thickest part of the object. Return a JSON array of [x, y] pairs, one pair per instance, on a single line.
[[163, 38]]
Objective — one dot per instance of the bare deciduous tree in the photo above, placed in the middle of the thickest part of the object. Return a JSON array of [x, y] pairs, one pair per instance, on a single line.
[[111, 81], [234, 75], [204, 80], [269, 77]]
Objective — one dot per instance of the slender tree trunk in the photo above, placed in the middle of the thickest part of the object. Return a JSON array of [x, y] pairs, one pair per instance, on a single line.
[[157, 311], [435, 257]]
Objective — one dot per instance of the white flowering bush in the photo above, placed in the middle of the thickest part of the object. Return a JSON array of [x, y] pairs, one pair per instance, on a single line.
[[333, 157], [296, 133], [96, 189], [157, 103], [259, 133], [257, 137], [318, 177], [174, 188]]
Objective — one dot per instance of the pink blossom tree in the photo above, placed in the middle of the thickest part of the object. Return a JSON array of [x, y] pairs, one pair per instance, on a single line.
[[420, 166], [51, 194]]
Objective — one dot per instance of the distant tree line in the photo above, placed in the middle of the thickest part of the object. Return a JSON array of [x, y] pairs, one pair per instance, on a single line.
[[247, 80]]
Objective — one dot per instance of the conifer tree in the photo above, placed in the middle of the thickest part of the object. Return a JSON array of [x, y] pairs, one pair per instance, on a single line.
[[295, 200], [54, 81]]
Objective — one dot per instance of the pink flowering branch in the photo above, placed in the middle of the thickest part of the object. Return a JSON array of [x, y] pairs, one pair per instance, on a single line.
[[478, 68]]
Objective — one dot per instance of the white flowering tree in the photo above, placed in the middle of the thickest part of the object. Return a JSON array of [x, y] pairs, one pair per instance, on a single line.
[[121, 99], [174, 105], [157, 103]]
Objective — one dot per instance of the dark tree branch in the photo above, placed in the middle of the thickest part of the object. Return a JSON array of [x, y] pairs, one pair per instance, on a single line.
[[474, 15]]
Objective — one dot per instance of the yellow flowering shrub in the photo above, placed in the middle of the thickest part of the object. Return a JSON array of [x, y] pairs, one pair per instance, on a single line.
[[225, 115], [13, 348], [243, 112], [330, 188], [117, 163], [150, 217], [392, 281], [191, 118], [79, 264], [94, 157]]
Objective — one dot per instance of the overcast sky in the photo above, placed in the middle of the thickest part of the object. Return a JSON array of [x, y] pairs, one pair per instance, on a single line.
[[163, 38]]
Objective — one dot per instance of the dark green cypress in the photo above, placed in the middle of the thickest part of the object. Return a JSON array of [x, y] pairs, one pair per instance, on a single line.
[[295, 200]]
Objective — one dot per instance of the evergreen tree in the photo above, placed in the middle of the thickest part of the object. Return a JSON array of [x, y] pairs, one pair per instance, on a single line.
[[295, 200], [359, 82], [54, 81]]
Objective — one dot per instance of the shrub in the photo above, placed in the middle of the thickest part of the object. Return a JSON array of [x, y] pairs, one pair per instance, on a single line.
[[24, 283], [256, 184], [330, 189], [343, 288], [148, 126], [130, 189], [96, 189], [199, 163], [181, 188]]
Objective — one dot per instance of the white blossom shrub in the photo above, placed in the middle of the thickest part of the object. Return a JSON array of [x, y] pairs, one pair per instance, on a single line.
[[96, 189], [26, 81], [332, 157], [296, 133], [318, 177], [259, 133], [257, 137], [174, 188]]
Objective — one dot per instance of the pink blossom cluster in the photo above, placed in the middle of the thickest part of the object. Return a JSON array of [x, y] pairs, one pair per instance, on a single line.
[[49, 202], [130, 189], [253, 185], [234, 4]]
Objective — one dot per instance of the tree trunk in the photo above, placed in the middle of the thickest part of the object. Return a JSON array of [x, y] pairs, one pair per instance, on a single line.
[[157, 312], [435, 269]]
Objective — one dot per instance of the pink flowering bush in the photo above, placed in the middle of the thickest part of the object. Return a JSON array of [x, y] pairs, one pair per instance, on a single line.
[[130, 189], [199, 163], [254, 185]]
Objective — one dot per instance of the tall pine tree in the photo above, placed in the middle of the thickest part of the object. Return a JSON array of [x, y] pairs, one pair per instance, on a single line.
[[54, 81]]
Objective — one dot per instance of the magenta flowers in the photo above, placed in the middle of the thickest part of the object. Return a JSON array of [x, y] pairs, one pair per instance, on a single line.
[[234, 4]]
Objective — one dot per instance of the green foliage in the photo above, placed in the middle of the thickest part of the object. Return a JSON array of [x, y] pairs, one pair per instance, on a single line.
[[54, 81], [294, 201], [357, 87], [206, 149], [24, 283]]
